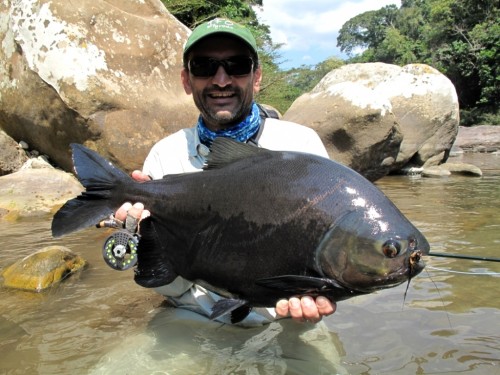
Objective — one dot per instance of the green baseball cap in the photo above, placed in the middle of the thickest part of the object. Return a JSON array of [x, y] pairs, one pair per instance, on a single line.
[[223, 26]]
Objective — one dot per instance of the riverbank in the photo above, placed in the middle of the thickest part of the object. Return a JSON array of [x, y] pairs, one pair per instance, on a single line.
[[480, 138]]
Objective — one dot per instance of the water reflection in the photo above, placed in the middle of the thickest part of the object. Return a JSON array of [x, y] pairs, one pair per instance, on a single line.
[[101, 322], [185, 344]]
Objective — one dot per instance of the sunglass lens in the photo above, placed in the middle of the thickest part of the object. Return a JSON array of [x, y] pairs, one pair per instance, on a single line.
[[238, 65], [203, 66], [207, 66]]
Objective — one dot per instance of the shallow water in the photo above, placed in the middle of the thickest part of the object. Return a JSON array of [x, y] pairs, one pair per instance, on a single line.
[[101, 322]]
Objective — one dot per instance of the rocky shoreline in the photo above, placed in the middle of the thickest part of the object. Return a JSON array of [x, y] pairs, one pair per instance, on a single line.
[[480, 138], [475, 139]]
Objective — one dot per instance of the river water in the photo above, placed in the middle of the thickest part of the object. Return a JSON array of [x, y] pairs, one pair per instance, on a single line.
[[101, 322]]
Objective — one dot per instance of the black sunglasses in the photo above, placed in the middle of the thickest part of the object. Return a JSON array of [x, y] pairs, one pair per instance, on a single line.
[[208, 66]]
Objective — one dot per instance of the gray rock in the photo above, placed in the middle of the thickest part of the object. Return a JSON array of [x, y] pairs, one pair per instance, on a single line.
[[38, 162], [462, 168], [425, 104], [356, 125], [12, 157], [24, 145], [34, 192], [481, 138], [102, 73], [448, 169], [377, 118], [435, 171]]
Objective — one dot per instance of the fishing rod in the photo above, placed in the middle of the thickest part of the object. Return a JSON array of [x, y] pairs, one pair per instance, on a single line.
[[460, 256]]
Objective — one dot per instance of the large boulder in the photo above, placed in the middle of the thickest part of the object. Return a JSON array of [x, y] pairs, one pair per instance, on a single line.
[[102, 73], [378, 118], [36, 189], [425, 104]]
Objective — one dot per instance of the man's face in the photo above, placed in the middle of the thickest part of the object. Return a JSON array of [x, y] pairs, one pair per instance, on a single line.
[[223, 100]]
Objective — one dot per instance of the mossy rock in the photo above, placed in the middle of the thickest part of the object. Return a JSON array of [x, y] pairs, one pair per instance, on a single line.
[[42, 269]]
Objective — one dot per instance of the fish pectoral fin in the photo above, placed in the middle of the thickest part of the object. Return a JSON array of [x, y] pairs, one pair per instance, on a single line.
[[154, 268], [299, 284], [238, 308], [240, 313]]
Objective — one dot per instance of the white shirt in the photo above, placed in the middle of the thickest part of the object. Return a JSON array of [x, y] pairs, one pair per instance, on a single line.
[[183, 152]]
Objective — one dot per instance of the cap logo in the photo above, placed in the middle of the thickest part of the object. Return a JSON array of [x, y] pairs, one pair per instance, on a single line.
[[219, 23]]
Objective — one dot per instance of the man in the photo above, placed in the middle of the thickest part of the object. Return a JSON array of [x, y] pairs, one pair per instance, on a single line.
[[222, 72]]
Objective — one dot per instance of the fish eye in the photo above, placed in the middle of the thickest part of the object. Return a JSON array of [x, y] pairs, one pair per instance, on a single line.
[[391, 248]]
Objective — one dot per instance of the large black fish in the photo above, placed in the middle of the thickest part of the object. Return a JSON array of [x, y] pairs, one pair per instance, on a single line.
[[256, 226]]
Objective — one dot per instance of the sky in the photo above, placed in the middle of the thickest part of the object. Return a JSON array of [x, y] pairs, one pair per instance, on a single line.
[[309, 28]]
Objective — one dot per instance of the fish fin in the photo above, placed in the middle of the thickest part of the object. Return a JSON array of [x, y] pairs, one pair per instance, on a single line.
[[93, 171], [238, 308], [154, 268], [299, 284], [225, 151], [240, 313], [77, 214], [100, 178]]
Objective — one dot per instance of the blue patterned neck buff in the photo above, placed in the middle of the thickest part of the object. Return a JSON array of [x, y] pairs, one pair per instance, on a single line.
[[241, 132]]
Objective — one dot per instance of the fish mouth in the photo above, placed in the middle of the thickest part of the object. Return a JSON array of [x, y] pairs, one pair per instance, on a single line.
[[409, 269], [415, 263], [418, 247], [415, 266]]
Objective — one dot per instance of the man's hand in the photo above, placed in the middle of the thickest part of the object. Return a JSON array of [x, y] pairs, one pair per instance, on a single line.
[[135, 210], [305, 309]]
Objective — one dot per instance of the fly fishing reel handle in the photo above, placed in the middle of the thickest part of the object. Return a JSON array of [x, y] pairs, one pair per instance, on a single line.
[[120, 250]]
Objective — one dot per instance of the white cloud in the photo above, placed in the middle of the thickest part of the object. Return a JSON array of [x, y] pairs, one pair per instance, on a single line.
[[310, 28]]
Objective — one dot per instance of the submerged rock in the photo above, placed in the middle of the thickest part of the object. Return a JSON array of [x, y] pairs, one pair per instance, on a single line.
[[448, 169], [463, 169], [43, 269], [435, 171]]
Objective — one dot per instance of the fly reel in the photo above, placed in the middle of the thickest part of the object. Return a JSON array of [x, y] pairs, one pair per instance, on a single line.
[[120, 250]]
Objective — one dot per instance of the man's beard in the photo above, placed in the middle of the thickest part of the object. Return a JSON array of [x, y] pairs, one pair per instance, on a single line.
[[223, 118]]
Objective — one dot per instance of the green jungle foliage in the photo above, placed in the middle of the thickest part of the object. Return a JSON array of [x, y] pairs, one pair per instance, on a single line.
[[460, 38]]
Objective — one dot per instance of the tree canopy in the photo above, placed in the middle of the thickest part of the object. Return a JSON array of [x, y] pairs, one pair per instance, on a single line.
[[460, 38]]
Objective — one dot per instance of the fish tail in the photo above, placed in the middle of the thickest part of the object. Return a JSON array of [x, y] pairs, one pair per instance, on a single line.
[[100, 179]]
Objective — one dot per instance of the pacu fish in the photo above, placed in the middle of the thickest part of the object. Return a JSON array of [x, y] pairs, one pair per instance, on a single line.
[[255, 226]]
